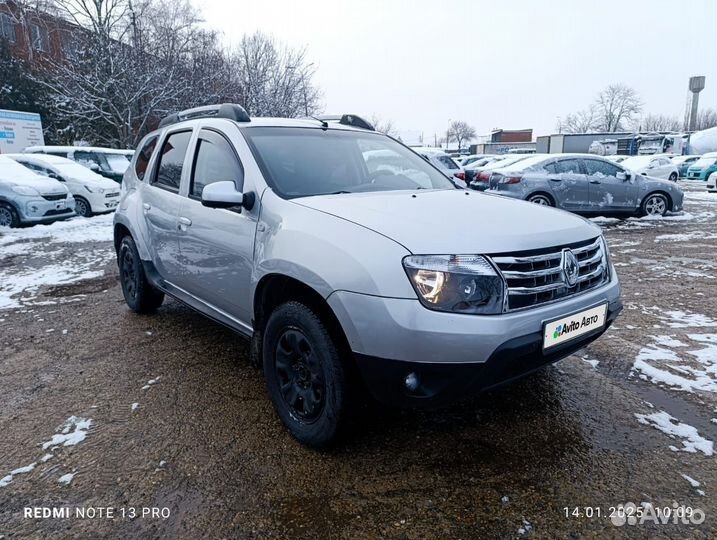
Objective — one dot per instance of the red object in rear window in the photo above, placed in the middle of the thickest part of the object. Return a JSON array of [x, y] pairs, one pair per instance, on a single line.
[[484, 176], [460, 175]]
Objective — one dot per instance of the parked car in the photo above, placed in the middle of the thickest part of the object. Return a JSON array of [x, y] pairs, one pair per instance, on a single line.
[[464, 161], [617, 158], [712, 183], [28, 198], [445, 163], [93, 193], [108, 162], [683, 163], [586, 184], [703, 167], [275, 228], [656, 166], [479, 177]]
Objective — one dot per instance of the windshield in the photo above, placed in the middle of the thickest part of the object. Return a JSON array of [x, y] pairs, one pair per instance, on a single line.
[[705, 161], [118, 162], [11, 170], [302, 162], [637, 162], [522, 164]]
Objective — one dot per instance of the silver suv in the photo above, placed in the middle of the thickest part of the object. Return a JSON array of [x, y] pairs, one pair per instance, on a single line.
[[342, 273]]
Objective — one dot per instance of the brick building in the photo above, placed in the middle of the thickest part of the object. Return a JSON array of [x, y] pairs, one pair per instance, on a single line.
[[35, 36]]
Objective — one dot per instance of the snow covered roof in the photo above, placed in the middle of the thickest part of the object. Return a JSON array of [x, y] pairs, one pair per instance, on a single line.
[[34, 149]]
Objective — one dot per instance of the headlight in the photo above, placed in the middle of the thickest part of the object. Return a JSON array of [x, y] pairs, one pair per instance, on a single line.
[[606, 257], [456, 283], [95, 190], [27, 191]]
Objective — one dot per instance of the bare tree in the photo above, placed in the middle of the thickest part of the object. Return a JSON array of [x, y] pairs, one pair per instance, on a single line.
[[274, 80], [616, 106], [657, 122], [461, 132], [706, 118], [383, 126], [582, 121]]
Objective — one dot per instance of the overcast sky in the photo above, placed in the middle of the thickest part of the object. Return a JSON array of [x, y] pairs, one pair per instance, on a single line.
[[508, 64]]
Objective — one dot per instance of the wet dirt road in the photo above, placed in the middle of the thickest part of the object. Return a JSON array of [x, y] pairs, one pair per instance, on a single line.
[[102, 408]]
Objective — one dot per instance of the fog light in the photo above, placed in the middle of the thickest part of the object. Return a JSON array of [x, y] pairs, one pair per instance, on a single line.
[[411, 382]]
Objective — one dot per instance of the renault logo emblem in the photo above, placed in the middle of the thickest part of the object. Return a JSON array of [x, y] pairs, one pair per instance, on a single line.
[[570, 267]]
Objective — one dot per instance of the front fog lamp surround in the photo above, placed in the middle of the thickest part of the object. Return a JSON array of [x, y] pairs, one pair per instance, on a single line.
[[456, 283]]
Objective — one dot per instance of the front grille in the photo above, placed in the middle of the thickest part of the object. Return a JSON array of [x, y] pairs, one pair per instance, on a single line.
[[536, 277], [113, 194], [58, 212], [60, 197]]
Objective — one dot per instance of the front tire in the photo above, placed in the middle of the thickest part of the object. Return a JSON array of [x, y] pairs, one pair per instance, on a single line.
[[82, 207], [304, 374], [139, 294], [8, 216], [673, 177], [655, 204]]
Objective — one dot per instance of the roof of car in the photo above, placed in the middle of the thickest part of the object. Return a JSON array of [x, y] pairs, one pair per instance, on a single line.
[[46, 148], [45, 158]]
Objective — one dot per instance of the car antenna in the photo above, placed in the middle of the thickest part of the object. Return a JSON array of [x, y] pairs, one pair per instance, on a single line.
[[324, 123]]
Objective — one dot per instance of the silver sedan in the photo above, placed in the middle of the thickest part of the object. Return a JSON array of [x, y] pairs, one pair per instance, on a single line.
[[586, 184]]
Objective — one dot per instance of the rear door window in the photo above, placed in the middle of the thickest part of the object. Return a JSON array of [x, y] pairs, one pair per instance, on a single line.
[[596, 167], [171, 161], [568, 166], [448, 163]]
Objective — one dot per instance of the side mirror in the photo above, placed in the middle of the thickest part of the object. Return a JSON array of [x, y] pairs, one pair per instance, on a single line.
[[623, 175], [55, 176], [93, 166], [225, 195]]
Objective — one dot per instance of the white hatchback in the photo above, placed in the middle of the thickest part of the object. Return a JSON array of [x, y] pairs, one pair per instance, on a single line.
[[94, 194]]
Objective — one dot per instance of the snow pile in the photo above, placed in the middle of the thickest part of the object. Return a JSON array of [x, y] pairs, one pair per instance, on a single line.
[[691, 440], [685, 237], [76, 230], [6, 480]]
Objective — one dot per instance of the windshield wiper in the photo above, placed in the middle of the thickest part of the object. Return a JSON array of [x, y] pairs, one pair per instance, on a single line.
[[338, 192]]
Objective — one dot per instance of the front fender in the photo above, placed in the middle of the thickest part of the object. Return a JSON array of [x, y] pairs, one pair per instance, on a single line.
[[326, 252]]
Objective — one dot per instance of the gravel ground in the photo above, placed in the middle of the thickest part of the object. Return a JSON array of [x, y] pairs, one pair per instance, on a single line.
[[164, 415]]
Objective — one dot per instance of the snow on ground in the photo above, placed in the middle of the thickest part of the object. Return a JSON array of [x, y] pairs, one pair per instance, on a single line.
[[66, 478], [71, 432], [685, 237], [691, 440], [44, 261], [694, 370]]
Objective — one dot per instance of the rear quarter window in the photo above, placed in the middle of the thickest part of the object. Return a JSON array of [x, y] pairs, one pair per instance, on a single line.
[[143, 156]]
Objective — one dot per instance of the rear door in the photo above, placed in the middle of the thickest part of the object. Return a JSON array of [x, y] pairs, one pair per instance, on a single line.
[[607, 191], [568, 183], [217, 245], [161, 202]]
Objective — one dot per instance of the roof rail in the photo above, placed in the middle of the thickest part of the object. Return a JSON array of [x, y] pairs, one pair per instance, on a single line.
[[347, 120], [231, 111]]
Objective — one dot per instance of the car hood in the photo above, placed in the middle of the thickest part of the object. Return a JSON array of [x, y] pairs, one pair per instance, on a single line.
[[456, 222], [99, 182], [46, 186]]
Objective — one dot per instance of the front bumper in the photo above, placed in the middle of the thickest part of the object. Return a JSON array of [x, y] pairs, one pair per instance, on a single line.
[[40, 210], [454, 353]]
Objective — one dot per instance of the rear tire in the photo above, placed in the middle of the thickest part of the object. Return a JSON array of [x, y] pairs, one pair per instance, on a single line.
[[82, 207], [655, 204], [140, 295], [541, 199], [304, 374], [8, 216]]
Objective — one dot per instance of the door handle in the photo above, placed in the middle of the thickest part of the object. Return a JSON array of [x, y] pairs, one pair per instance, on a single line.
[[183, 223], [594, 181], [556, 179], [146, 207]]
